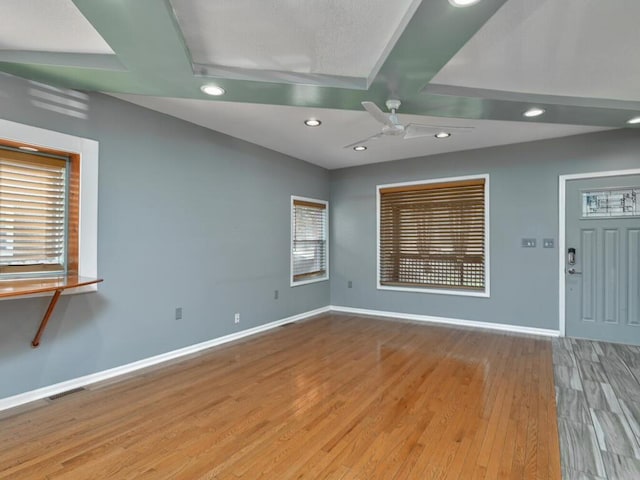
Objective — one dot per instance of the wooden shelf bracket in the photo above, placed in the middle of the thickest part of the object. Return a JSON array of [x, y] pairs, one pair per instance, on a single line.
[[21, 288]]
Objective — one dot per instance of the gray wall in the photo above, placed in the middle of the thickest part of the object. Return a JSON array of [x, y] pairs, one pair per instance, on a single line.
[[219, 208], [187, 217], [524, 203]]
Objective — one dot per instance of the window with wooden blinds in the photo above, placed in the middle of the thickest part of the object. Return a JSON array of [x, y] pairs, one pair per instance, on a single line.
[[33, 212], [309, 251], [433, 235]]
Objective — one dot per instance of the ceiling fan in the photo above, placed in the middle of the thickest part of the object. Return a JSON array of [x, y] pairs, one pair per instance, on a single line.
[[393, 128]]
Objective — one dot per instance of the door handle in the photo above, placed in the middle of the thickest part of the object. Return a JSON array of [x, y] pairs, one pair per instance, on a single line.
[[572, 271]]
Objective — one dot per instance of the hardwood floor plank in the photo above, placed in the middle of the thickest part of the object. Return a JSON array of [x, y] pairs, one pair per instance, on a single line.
[[335, 397], [550, 420], [522, 421], [502, 445]]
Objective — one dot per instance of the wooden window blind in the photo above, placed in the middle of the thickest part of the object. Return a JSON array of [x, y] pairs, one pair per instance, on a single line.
[[33, 192], [309, 240], [433, 235]]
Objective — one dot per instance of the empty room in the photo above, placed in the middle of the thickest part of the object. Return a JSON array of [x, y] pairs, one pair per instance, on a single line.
[[320, 239]]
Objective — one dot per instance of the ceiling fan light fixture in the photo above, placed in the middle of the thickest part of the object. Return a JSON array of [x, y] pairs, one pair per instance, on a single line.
[[463, 3], [442, 135], [359, 148], [213, 90], [312, 122], [534, 112], [634, 120]]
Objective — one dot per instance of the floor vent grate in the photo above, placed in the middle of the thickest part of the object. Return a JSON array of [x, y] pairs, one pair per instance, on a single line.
[[68, 392]]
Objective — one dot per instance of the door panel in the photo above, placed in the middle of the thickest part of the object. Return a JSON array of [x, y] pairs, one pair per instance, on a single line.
[[611, 275], [634, 277], [588, 248], [603, 293]]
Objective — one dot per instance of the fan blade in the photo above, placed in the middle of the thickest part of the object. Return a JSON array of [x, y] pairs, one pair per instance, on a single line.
[[360, 142], [416, 130], [378, 114]]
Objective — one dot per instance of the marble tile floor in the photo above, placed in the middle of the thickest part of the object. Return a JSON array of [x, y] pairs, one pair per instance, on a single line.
[[598, 404]]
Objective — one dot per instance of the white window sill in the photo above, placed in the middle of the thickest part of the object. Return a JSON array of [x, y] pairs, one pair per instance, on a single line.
[[462, 293], [311, 280]]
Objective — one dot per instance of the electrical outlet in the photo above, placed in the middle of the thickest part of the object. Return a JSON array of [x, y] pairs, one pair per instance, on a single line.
[[275, 295], [547, 243], [236, 318], [178, 313]]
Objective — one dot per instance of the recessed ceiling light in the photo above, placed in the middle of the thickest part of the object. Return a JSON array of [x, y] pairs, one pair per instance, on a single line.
[[534, 112], [442, 135], [360, 148], [312, 122], [633, 121], [463, 3], [214, 90], [28, 149]]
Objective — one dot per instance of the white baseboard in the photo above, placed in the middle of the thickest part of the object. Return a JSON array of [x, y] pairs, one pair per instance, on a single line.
[[44, 392], [449, 321]]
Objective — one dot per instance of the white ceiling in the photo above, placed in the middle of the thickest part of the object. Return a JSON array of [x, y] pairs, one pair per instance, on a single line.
[[48, 26], [332, 37], [554, 47], [282, 128]]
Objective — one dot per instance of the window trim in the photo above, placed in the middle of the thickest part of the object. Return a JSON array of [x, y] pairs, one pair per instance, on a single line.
[[87, 150], [442, 291], [292, 282]]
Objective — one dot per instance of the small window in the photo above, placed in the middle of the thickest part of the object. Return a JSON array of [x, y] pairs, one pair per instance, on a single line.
[[433, 236], [38, 214], [81, 222], [309, 249]]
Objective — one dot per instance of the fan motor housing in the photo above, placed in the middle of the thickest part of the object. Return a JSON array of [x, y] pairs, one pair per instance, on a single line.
[[393, 104]]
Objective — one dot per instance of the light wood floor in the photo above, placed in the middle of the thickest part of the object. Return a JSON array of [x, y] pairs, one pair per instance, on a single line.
[[336, 397]]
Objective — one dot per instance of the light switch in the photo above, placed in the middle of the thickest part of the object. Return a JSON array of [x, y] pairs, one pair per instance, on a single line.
[[528, 243]]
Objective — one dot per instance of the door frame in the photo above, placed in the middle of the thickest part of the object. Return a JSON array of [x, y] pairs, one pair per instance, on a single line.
[[562, 218]]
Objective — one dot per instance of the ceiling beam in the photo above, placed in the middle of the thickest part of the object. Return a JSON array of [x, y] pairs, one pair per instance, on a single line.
[[148, 43]]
